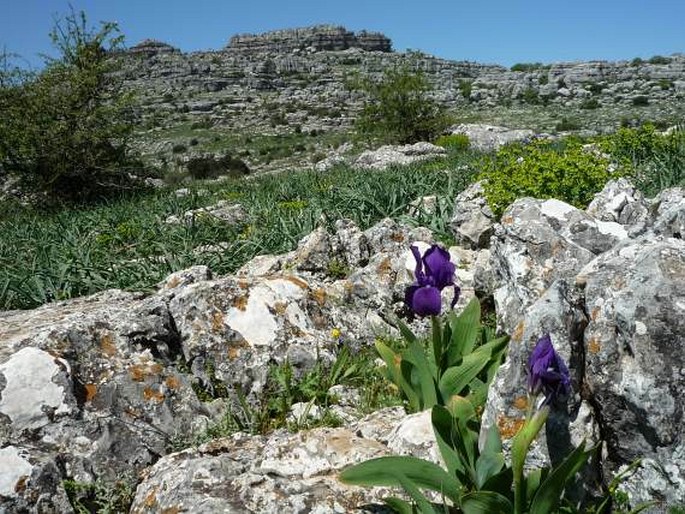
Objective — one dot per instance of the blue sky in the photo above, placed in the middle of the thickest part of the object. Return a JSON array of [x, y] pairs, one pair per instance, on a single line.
[[491, 31]]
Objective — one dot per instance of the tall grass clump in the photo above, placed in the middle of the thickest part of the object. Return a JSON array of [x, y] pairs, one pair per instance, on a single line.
[[657, 160]]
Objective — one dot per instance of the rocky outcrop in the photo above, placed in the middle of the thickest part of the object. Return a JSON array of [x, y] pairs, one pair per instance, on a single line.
[[608, 284], [316, 38], [488, 137], [97, 387], [391, 155], [150, 47]]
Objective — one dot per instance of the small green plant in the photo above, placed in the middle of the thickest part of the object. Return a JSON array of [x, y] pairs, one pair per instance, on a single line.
[[399, 108], [530, 96], [637, 61], [88, 497], [543, 169], [566, 125], [465, 87], [590, 103], [457, 142], [640, 101]]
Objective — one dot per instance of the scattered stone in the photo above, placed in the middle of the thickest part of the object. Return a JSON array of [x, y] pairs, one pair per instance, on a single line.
[[488, 137]]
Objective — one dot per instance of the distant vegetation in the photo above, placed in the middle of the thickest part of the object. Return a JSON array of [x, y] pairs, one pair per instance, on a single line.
[[530, 66]]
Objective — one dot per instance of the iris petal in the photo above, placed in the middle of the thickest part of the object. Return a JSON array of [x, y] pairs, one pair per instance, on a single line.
[[547, 371], [426, 301], [438, 266]]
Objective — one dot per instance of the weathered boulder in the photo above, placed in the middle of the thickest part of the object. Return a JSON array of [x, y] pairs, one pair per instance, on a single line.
[[94, 381], [610, 291], [634, 342], [473, 222]]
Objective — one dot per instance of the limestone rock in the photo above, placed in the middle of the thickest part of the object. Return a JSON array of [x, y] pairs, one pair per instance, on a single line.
[[635, 297], [473, 221], [390, 155], [489, 137]]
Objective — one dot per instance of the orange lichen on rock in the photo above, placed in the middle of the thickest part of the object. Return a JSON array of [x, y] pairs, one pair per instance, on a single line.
[[517, 335], [151, 498], [280, 307], [509, 427], [152, 395], [384, 267], [593, 345], [297, 281], [521, 403], [91, 391], [218, 321], [240, 302], [139, 372], [397, 237], [319, 296], [595, 313], [107, 345], [172, 382]]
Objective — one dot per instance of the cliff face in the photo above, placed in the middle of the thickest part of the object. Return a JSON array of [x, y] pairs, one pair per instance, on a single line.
[[318, 38]]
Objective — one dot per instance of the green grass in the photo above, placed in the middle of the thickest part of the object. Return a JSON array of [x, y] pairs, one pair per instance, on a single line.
[[126, 244], [284, 387]]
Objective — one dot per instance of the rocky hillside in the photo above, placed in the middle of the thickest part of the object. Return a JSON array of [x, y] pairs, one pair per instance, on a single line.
[[296, 82], [307, 68]]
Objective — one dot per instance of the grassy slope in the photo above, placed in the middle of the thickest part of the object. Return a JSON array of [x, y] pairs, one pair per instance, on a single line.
[[126, 244]]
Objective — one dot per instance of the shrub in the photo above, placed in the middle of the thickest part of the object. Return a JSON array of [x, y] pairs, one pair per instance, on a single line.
[[543, 80], [66, 130], [530, 96], [542, 170], [399, 109], [179, 148], [640, 101], [466, 86], [567, 125], [659, 59], [528, 66], [457, 142], [590, 103], [637, 62], [209, 167]]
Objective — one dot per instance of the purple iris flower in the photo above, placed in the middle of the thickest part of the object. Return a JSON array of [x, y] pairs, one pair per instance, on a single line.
[[434, 272], [547, 371]]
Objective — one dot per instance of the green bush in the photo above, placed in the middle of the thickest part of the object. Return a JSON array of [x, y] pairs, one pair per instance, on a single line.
[[640, 101], [211, 167], [466, 86], [659, 59], [590, 103], [457, 142], [65, 131], [399, 109], [566, 125], [544, 169], [637, 62], [529, 66], [530, 96]]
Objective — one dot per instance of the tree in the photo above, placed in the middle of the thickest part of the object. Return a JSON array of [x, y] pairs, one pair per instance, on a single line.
[[65, 131], [399, 108]]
